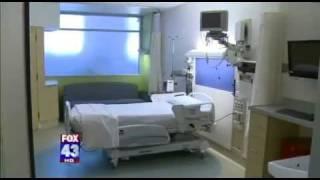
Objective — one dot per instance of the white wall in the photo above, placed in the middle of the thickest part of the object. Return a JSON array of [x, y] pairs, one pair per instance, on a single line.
[[45, 14], [267, 78], [14, 137], [183, 23], [302, 24], [315, 149]]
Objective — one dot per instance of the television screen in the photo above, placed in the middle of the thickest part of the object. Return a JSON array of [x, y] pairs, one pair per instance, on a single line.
[[304, 58], [214, 20]]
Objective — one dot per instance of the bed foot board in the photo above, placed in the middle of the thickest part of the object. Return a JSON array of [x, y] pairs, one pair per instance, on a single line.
[[114, 163], [197, 146], [113, 157]]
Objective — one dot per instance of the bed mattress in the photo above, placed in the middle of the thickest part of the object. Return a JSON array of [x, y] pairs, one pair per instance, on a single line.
[[96, 121], [157, 113]]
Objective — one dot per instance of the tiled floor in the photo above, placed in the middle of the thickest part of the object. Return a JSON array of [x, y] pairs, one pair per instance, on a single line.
[[94, 163]]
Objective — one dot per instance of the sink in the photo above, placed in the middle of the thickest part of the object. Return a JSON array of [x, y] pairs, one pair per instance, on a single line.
[[296, 167]]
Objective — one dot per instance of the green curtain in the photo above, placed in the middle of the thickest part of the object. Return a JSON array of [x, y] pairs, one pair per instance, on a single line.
[[146, 33]]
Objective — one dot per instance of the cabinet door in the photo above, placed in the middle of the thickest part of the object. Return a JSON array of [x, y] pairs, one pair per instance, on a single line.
[[47, 95], [33, 77], [257, 140], [49, 112], [40, 56]]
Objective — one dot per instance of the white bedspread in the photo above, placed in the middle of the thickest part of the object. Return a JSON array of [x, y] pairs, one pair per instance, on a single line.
[[98, 126], [156, 113]]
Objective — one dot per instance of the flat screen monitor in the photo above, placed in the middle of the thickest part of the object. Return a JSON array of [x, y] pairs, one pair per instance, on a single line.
[[303, 57], [214, 21]]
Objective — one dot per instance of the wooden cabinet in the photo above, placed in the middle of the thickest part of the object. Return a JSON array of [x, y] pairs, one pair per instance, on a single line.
[[264, 144], [45, 108], [256, 145]]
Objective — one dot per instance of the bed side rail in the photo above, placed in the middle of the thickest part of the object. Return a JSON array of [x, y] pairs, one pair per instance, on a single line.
[[67, 111], [191, 118], [166, 96], [209, 103]]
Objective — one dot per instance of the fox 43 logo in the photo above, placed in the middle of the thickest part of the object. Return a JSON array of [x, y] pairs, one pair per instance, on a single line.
[[70, 148]]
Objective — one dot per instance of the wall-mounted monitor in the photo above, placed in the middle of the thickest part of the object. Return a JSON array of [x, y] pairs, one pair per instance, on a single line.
[[214, 21], [303, 57]]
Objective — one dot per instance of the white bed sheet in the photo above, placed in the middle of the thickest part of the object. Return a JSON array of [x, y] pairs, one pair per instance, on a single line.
[[94, 119], [157, 113], [98, 127]]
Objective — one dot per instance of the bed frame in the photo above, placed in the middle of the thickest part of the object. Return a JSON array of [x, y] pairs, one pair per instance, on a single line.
[[186, 138], [197, 144], [190, 120]]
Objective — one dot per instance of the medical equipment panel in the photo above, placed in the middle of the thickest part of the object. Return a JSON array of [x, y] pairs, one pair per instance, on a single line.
[[239, 111]]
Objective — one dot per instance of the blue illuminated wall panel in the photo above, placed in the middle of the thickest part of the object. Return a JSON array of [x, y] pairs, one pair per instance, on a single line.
[[93, 46], [89, 53], [215, 73]]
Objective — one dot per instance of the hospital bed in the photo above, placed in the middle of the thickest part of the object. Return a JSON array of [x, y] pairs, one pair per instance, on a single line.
[[169, 123]]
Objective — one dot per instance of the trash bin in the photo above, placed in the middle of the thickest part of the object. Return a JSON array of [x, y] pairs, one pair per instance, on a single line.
[[292, 147]]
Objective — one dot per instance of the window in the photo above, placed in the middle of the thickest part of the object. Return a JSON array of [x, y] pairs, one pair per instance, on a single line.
[[91, 45]]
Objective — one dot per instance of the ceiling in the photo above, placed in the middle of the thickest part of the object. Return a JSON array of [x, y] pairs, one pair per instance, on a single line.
[[123, 8]]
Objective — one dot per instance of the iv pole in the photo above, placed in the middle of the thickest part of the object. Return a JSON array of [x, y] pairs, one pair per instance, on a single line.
[[170, 82], [172, 53]]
